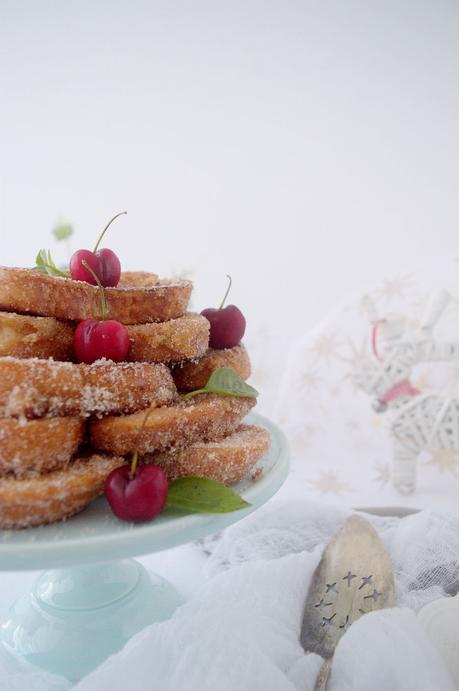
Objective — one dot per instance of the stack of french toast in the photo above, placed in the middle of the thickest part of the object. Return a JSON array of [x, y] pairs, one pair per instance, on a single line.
[[65, 425]]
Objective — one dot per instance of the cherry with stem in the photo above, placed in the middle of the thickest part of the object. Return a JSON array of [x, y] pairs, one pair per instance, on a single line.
[[227, 324], [104, 262], [97, 339], [137, 492]]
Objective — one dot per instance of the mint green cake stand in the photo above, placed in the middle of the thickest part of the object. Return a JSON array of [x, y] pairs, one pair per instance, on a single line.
[[92, 598]]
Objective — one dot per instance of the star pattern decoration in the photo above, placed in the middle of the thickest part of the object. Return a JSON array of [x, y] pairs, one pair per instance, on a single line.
[[349, 576], [328, 621], [325, 347], [395, 287], [303, 437], [374, 596], [320, 605], [359, 355], [329, 483], [445, 460], [346, 624], [331, 588], [366, 580], [357, 360]]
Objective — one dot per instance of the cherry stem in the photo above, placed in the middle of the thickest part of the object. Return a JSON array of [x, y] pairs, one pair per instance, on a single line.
[[122, 213], [101, 288], [227, 291], [190, 394], [135, 458], [135, 454]]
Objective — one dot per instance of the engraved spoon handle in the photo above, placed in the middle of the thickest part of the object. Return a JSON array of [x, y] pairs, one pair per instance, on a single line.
[[322, 677]]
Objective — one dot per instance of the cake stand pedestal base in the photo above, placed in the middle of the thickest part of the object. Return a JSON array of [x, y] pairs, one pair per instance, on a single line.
[[74, 618]]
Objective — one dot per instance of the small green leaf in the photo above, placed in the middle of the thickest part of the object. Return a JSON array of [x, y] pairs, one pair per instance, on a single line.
[[225, 381], [45, 265], [62, 231], [201, 495]]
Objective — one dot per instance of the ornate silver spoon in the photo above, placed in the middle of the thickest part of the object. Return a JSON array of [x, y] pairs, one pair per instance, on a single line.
[[353, 577]]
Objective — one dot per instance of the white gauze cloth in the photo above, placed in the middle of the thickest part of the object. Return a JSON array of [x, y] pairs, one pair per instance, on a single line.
[[240, 631]]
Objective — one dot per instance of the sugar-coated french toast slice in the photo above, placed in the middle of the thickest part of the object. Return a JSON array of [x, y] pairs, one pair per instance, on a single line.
[[36, 388], [54, 496], [173, 340], [38, 446], [193, 375], [139, 297], [202, 418], [47, 337], [43, 337], [227, 460]]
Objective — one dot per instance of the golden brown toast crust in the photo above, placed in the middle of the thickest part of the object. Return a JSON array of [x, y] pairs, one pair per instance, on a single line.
[[229, 460], [189, 376], [177, 339], [56, 495], [59, 494], [138, 278], [147, 300], [37, 388], [42, 337], [38, 446], [202, 418]]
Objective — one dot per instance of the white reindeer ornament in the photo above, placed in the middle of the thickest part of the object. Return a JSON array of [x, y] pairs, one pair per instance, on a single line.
[[417, 421]]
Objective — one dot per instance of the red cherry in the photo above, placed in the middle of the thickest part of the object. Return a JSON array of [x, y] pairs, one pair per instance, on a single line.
[[137, 498], [79, 272], [104, 263], [227, 326], [110, 267], [94, 340]]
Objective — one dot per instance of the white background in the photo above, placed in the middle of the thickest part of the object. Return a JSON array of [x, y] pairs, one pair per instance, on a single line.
[[306, 147]]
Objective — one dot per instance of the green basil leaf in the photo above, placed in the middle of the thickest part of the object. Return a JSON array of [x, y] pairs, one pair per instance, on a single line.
[[201, 495], [62, 231], [227, 382], [40, 260], [44, 264]]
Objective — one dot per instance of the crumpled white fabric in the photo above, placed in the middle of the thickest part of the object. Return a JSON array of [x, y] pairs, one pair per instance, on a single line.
[[240, 631]]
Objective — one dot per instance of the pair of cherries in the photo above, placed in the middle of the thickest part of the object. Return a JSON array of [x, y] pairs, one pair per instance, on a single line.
[[107, 338]]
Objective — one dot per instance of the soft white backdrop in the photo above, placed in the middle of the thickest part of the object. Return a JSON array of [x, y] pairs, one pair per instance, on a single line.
[[306, 147]]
